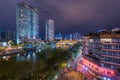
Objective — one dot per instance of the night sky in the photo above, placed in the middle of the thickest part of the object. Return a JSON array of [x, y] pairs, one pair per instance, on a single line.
[[70, 16]]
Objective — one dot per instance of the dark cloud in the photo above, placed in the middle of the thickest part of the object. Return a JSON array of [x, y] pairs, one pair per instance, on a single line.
[[69, 15]]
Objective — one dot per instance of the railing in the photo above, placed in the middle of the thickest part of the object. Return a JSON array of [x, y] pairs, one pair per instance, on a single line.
[[111, 56]]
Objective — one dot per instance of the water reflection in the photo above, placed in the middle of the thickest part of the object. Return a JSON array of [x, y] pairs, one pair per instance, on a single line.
[[34, 57], [28, 56]]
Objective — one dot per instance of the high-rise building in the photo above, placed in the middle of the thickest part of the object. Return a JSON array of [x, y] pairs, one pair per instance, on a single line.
[[101, 53], [58, 36], [76, 36], [68, 36], [27, 22], [6, 35], [49, 30], [3, 35], [11, 35]]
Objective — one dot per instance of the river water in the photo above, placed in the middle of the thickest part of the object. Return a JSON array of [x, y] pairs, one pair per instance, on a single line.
[[28, 56]]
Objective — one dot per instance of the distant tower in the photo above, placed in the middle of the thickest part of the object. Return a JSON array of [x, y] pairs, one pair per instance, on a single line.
[[49, 30], [76, 36], [27, 22]]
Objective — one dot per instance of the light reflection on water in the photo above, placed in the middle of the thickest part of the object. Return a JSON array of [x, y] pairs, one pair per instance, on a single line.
[[28, 56]]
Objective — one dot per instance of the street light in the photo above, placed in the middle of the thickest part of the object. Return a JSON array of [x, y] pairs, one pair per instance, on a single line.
[[108, 79], [86, 68], [104, 78], [56, 76]]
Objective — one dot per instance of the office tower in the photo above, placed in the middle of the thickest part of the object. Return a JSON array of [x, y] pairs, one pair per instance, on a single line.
[[49, 30], [11, 35], [68, 37], [101, 53], [6, 35], [58, 36], [76, 36], [3, 35], [27, 22]]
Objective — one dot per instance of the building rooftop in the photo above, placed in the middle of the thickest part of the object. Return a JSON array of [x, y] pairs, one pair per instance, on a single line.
[[104, 34], [28, 6]]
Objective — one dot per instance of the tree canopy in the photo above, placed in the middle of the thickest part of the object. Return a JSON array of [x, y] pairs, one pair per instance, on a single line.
[[49, 63]]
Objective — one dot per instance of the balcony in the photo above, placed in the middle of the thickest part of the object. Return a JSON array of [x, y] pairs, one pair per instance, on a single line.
[[112, 50], [112, 43], [111, 63], [116, 57], [92, 59]]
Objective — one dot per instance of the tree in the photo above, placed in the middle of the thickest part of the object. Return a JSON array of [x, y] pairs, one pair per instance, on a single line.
[[50, 62]]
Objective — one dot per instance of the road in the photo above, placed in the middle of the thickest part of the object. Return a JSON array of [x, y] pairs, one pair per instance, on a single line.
[[77, 61]]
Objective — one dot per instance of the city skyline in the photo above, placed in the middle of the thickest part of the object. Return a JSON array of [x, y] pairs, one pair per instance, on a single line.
[[60, 40], [77, 15]]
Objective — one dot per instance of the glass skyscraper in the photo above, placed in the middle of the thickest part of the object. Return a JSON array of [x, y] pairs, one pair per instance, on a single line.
[[27, 22], [49, 30]]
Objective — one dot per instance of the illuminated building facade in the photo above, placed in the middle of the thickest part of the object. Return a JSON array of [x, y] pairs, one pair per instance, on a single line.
[[27, 22], [101, 52], [49, 30]]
